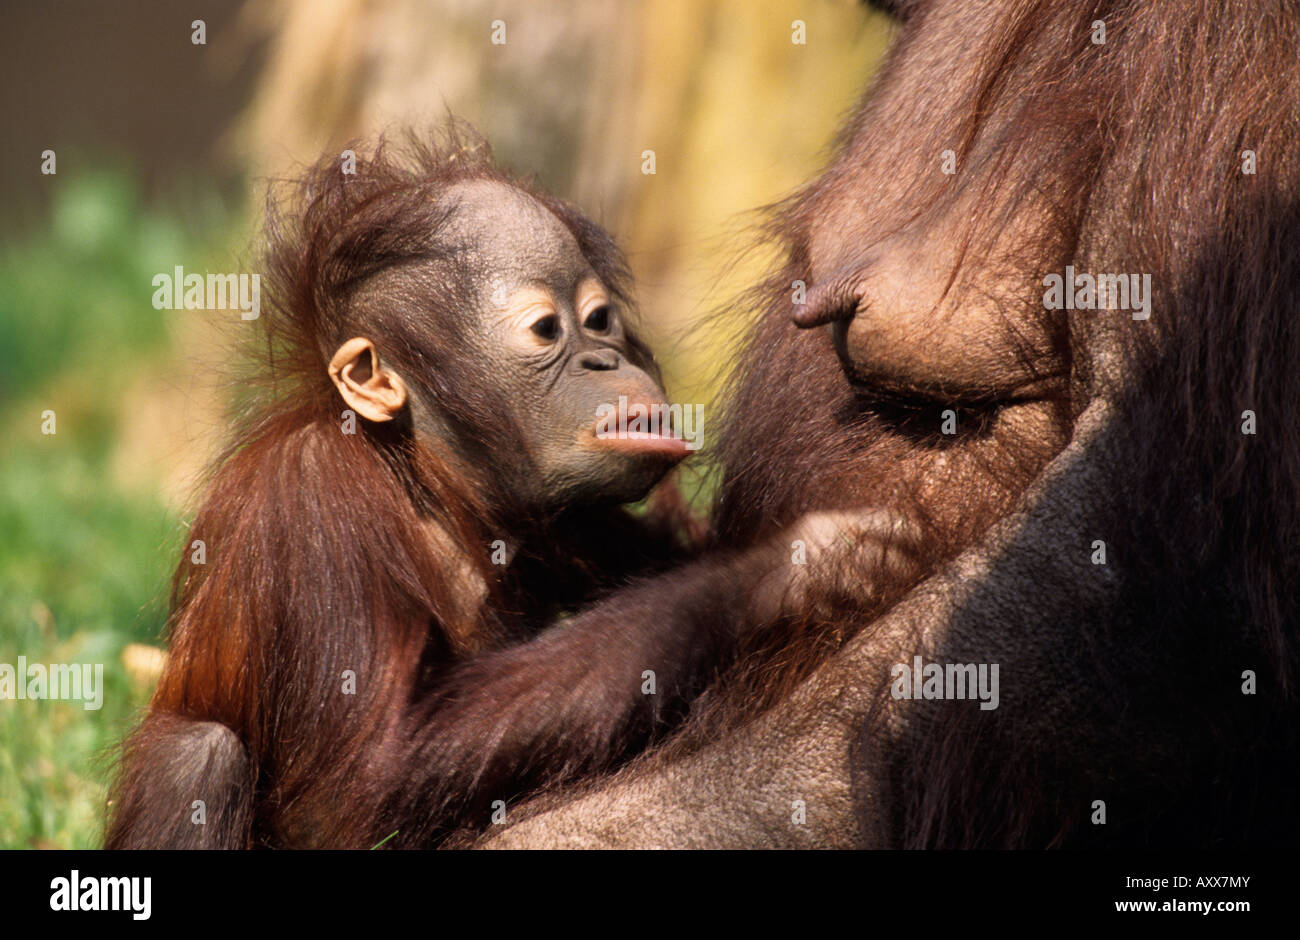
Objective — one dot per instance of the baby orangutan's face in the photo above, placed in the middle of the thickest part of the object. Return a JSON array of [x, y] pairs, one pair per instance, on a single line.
[[556, 355]]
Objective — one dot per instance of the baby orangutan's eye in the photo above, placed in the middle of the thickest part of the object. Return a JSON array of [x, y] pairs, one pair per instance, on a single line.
[[598, 319], [547, 327]]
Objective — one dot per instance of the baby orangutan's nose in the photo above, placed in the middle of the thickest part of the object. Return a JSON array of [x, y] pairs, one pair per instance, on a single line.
[[596, 360]]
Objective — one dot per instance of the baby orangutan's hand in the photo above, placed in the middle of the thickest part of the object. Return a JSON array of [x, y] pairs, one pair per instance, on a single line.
[[835, 554]]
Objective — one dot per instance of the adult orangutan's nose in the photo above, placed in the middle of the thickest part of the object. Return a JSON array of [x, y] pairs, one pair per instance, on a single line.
[[835, 300]]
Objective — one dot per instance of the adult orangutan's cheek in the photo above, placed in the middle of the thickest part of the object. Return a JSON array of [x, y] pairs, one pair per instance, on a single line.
[[870, 354], [851, 348]]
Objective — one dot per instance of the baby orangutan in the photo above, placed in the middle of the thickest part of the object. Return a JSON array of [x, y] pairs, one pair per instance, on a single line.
[[363, 654]]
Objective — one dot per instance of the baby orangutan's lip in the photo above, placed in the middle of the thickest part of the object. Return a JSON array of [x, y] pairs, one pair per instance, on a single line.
[[636, 443]]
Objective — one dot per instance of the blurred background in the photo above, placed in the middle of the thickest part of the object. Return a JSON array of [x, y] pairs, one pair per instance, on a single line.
[[162, 147]]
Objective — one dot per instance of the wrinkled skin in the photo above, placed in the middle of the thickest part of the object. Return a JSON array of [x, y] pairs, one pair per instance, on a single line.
[[541, 345], [559, 349]]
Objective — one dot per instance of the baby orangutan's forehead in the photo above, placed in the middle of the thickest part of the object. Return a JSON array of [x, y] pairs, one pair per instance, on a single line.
[[514, 237]]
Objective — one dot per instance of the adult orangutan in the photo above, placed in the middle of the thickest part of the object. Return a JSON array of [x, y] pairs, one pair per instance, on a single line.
[[1114, 520]]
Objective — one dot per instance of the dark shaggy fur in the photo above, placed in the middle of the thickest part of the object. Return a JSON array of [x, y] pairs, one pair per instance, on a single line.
[[1120, 683], [1133, 151]]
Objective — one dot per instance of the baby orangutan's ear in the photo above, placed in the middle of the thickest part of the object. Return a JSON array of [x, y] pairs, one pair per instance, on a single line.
[[375, 393]]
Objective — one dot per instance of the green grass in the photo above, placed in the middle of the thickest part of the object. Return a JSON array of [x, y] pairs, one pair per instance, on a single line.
[[84, 561]]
